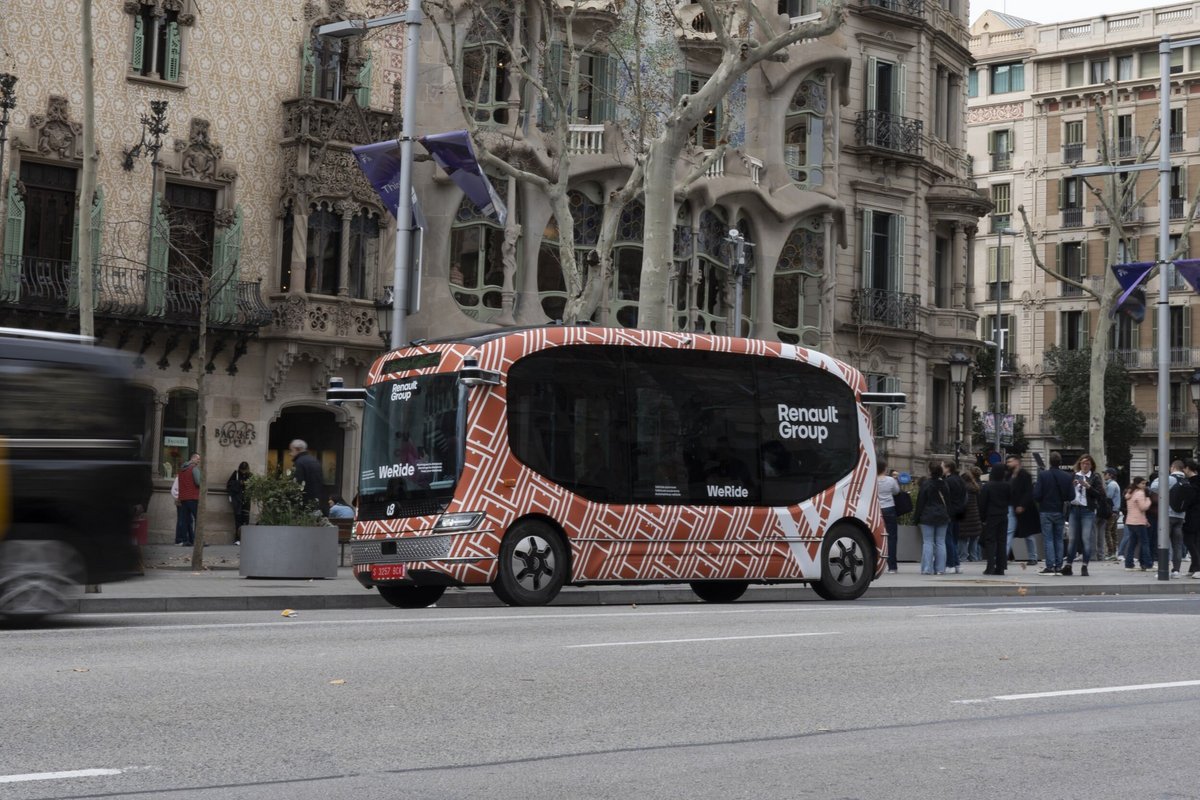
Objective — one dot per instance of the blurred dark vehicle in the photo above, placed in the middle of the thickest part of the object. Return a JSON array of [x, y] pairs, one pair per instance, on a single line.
[[72, 479]]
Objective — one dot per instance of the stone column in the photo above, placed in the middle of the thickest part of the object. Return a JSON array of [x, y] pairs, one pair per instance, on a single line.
[[958, 266], [297, 285], [160, 403], [346, 212], [969, 300]]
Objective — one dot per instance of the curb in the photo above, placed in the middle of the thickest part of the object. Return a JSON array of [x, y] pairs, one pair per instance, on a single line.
[[484, 598]]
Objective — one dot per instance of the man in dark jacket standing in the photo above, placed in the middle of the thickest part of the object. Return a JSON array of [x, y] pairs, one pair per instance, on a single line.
[[1191, 517], [1023, 521], [307, 472], [1052, 492]]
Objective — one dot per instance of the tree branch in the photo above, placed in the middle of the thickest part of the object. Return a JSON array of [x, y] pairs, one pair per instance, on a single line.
[[1028, 231]]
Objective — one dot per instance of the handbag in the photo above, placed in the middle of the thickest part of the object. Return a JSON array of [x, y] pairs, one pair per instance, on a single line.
[[904, 503]]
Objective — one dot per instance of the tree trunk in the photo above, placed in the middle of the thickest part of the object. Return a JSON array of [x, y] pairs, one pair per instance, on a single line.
[[87, 182], [658, 235], [202, 422]]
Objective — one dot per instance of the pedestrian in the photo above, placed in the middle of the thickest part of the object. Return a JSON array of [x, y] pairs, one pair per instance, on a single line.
[[339, 508], [956, 496], [1175, 518], [995, 499], [971, 525], [190, 479], [307, 472], [235, 488], [1191, 516], [1137, 503], [933, 516], [975, 546], [1087, 488], [1052, 492], [1023, 520], [888, 488], [1112, 532]]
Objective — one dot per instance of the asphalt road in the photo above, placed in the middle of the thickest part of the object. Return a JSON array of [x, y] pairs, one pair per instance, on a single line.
[[874, 699]]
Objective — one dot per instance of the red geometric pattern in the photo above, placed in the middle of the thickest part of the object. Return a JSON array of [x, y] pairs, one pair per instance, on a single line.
[[642, 542]]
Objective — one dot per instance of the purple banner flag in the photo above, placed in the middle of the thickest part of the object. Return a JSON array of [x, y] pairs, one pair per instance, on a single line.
[[380, 162], [1189, 270], [1130, 276], [453, 153]]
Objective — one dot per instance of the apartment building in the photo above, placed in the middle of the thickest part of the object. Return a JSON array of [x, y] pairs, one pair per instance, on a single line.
[[1035, 94], [225, 140]]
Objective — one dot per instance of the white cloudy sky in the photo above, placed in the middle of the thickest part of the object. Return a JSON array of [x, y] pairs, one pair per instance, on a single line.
[[1058, 10]]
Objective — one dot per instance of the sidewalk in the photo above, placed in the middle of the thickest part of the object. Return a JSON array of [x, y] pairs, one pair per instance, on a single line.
[[170, 585]]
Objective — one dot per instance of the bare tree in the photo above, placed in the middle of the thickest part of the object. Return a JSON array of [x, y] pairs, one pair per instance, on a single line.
[[87, 184], [1118, 197]]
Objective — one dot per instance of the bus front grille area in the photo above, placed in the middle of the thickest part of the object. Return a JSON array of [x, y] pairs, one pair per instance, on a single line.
[[395, 551]]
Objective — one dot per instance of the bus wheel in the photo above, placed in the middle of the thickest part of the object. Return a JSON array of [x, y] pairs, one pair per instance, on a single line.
[[533, 565], [411, 596], [38, 578], [846, 566], [719, 591]]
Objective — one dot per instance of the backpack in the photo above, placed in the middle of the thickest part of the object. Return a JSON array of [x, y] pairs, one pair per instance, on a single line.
[[956, 498], [1181, 495], [1104, 508]]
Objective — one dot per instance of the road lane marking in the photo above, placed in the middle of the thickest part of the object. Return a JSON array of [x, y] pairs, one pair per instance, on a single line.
[[1136, 687], [706, 639], [997, 611], [58, 776]]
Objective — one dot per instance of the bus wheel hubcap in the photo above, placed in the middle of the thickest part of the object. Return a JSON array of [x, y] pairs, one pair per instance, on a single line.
[[846, 562], [533, 562]]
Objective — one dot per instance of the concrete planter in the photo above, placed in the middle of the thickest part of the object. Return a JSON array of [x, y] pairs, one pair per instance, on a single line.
[[908, 546], [277, 551]]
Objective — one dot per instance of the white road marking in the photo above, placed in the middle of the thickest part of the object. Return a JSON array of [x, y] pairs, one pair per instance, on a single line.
[[1136, 687], [58, 776], [706, 639], [1007, 610]]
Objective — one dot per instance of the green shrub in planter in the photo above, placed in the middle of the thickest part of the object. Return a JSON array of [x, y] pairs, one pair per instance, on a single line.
[[281, 501]]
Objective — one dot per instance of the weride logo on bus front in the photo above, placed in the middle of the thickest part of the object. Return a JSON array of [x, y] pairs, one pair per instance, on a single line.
[[818, 420]]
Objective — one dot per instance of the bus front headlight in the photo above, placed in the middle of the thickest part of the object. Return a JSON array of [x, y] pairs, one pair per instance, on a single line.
[[459, 521]]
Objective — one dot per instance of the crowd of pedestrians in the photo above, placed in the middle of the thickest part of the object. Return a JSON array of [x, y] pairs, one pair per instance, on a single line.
[[1081, 512]]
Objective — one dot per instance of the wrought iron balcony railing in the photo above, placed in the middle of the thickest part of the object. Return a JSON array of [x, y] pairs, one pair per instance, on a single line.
[[1072, 217], [123, 292], [1001, 222], [889, 132], [1001, 161], [1176, 143], [1176, 207], [1130, 214], [886, 308], [911, 8], [1073, 153]]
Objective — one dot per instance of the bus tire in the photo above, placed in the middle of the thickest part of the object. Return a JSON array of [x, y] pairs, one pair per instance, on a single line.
[[38, 578], [719, 591], [532, 565], [846, 565], [411, 596]]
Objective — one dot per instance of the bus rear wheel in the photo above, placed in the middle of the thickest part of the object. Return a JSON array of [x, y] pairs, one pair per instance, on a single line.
[[846, 565], [719, 591], [411, 596], [532, 565]]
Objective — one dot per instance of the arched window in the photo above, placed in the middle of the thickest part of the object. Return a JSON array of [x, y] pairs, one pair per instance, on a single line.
[[714, 279], [627, 262], [485, 72], [476, 259], [324, 251], [803, 148], [797, 289], [364, 251], [681, 252], [585, 216], [179, 430]]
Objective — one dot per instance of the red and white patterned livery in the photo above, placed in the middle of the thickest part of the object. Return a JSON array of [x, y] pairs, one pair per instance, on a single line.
[[526, 459]]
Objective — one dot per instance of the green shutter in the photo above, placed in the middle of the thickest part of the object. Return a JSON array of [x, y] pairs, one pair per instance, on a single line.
[[896, 273], [364, 82], [872, 79], [900, 92], [683, 84], [891, 416], [552, 78], [993, 259], [173, 52], [227, 251], [604, 91], [1062, 191], [139, 44], [156, 269], [14, 244], [1083, 259], [73, 271], [868, 222]]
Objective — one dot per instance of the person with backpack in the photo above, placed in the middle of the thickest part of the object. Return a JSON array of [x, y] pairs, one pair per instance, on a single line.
[[1178, 489], [932, 513], [994, 500], [1023, 520], [956, 497], [1052, 492], [1086, 490], [235, 488], [1191, 516]]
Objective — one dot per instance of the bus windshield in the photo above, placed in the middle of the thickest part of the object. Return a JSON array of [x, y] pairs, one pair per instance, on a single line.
[[410, 454]]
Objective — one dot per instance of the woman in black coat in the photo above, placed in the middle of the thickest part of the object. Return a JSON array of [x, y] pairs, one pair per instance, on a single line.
[[994, 499]]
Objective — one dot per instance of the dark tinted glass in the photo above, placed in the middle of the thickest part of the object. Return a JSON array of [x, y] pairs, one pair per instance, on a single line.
[[694, 427], [566, 419], [809, 430]]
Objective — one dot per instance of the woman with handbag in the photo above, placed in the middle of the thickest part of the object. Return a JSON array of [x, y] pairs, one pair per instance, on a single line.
[[971, 525], [933, 516], [889, 489]]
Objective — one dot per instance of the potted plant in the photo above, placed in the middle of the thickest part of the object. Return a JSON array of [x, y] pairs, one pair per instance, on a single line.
[[290, 538], [908, 540]]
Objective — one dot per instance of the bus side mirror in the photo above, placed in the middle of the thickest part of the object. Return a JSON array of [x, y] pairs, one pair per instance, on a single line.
[[474, 376], [337, 393], [890, 399]]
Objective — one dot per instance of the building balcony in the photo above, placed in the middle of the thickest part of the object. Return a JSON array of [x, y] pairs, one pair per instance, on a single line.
[[1073, 153], [1176, 142], [886, 309], [1000, 222], [1130, 215], [1137, 359], [909, 8], [1176, 207], [125, 293], [585, 140], [323, 121], [1072, 217], [1001, 162], [1127, 147], [1177, 422], [892, 132]]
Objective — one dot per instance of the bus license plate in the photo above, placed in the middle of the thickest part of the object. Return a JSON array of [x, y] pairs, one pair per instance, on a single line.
[[388, 572]]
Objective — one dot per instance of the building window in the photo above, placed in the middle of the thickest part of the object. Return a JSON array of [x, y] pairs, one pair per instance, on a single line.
[[1070, 201], [973, 82], [797, 8], [476, 260], [191, 214], [324, 251], [552, 289], [364, 251], [1007, 337], [1074, 330], [707, 133], [1073, 142], [595, 98], [1124, 68], [41, 230], [1072, 263], [1008, 78], [157, 43], [627, 260], [1098, 70], [803, 148], [883, 251], [1000, 272], [1075, 71], [713, 281], [1123, 335], [1002, 214], [1176, 128], [179, 431], [797, 286], [942, 280], [886, 419], [486, 80], [1000, 146]]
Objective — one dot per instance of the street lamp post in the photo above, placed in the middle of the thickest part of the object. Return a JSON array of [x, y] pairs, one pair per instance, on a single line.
[[960, 364], [737, 267], [1194, 387], [154, 128], [412, 18], [8, 101], [1000, 233]]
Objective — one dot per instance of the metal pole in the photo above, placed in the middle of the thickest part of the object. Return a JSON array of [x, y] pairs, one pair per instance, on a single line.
[[402, 265], [8, 101], [739, 266], [996, 334], [958, 419], [1164, 313]]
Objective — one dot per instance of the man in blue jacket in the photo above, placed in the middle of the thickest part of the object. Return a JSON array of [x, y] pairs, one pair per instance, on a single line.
[[1052, 492]]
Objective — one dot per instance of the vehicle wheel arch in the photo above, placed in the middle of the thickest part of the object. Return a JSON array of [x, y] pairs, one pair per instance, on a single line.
[[557, 529]]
